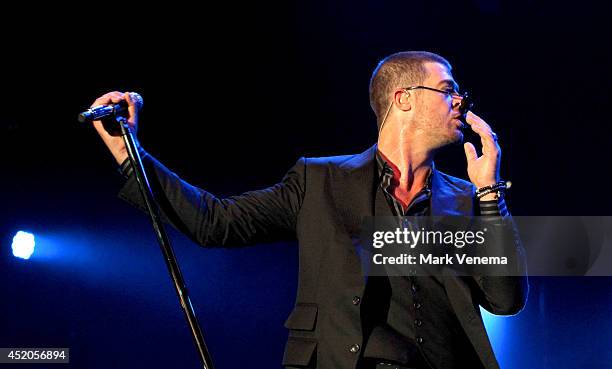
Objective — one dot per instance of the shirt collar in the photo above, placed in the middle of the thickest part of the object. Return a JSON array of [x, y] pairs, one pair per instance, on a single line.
[[385, 173]]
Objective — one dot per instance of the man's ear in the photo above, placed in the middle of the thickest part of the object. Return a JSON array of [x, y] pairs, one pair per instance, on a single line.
[[403, 100]]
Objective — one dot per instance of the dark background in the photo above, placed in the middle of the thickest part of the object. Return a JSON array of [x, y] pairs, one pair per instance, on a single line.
[[234, 94]]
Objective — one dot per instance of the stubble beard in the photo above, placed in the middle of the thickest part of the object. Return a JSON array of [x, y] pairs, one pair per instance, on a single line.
[[437, 132]]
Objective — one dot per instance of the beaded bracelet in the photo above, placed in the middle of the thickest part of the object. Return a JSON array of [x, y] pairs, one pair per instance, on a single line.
[[499, 187]]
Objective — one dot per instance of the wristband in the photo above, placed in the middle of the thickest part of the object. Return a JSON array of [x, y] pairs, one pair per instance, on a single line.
[[499, 188]]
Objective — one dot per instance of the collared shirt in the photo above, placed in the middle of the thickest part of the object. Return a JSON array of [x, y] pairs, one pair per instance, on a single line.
[[419, 204]]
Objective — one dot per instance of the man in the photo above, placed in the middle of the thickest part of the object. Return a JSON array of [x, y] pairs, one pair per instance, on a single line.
[[342, 320]]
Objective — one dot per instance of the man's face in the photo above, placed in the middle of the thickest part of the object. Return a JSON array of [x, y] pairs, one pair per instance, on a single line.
[[437, 114]]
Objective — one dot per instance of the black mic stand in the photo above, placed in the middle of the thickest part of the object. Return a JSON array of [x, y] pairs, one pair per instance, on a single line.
[[164, 242]]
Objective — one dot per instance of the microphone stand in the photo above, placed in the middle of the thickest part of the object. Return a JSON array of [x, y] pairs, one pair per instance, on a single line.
[[164, 242]]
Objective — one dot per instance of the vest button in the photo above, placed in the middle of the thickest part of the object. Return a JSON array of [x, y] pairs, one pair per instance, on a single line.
[[419, 339], [356, 300], [418, 322], [417, 305], [355, 348]]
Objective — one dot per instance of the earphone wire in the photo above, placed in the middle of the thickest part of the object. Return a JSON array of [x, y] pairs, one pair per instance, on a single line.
[[382, 124]]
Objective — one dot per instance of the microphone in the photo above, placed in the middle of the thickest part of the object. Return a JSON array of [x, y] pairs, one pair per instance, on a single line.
[[103, 111]]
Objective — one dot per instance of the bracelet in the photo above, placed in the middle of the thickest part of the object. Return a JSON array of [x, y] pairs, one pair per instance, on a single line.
[[499, 188]]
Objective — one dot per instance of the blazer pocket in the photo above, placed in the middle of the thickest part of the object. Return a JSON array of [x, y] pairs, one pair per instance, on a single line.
[[303, 317], [299, 352]]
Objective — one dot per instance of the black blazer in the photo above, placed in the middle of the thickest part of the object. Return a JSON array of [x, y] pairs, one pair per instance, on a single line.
[[322, 201]]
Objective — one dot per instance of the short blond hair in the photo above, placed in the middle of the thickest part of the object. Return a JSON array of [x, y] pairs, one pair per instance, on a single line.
[[399, 70]]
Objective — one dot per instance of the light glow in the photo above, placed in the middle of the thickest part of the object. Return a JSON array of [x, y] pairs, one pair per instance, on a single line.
[[23, 245]]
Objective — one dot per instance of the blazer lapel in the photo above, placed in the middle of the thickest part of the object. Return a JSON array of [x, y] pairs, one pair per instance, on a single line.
[[356, 192], [449, 197], [353, 186]]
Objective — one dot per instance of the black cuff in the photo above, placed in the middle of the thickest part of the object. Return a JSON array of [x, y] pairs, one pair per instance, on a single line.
[[493, 207], [125, 169]]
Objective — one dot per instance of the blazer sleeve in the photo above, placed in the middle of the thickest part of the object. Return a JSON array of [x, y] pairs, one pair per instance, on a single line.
[[505, 294], [256, 216]]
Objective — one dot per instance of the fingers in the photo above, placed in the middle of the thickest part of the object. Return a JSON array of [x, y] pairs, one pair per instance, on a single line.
[[106, 99], [132, 106], [116, 97], [109, 98], [470, 151], [488, 138], [476, 122]]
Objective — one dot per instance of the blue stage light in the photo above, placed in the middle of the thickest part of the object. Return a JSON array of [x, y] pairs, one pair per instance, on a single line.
[[23, 245]]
